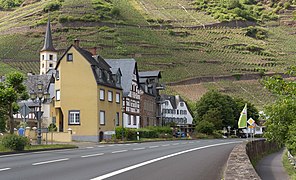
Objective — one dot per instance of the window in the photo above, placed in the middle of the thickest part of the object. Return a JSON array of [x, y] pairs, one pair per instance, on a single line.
[[129, 119], [135, 120], [69, 57], [50, 57], [117, 97], [74, 117], [50, 65], [102, 117], [102, 94], [58, 95], [110, 96], [57, 75], [42, 65], [117, 119], [181, 104], [42, 57]]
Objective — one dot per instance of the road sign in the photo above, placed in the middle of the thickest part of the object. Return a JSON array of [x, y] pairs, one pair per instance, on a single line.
[[25, 111], [38, 115], [251, 127], [251, 121]]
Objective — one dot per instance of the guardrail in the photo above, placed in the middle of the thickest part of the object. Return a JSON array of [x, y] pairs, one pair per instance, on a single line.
[[292, 159]]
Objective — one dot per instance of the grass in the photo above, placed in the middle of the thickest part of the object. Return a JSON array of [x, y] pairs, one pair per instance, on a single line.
[[288, 167], [40, 147]]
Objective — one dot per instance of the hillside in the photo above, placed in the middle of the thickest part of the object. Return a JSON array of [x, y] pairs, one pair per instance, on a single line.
[[182, 38]]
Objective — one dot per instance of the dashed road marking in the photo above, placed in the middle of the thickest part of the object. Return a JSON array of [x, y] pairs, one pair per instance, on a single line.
[[5, 169], [92, 155], [101, 146], [138, 149], [52, 161], [111, 145], [175, 144], [89, 147], [120, 151], [153, 147], [165, 145]]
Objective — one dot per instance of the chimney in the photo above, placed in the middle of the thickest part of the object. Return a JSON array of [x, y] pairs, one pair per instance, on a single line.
[[76, 42], [93, 51]]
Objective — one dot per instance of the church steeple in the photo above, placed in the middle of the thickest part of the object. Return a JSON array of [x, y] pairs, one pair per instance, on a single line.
[[48, 54], [48, 46]]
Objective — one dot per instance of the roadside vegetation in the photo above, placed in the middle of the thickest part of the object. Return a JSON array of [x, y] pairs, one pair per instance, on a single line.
[[281, 115], [290, 169]]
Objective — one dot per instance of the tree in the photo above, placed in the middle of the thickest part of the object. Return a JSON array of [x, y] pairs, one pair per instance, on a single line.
[[12, 90], [205, 127], [221, 103], [282, 114]]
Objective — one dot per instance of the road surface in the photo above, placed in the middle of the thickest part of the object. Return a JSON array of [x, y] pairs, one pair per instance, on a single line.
[[167, 160]]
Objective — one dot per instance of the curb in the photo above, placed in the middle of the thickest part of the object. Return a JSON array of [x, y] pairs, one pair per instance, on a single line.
[[37, 150]]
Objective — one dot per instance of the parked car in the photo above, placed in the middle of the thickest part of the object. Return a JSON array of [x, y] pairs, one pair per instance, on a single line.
[[180, 134]]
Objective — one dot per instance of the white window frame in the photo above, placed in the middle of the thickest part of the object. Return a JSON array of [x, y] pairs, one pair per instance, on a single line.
[[102, 94], [74, 117], [110, 96], [117, 97], [102, 118], [58, 95]]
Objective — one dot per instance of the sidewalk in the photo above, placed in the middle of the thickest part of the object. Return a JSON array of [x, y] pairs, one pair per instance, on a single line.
[[271, 167]]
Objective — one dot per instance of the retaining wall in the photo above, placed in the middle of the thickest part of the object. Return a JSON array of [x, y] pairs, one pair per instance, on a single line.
[[239, 166]]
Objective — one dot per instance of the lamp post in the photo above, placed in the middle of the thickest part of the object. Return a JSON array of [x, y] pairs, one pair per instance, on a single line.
[[38, 97]]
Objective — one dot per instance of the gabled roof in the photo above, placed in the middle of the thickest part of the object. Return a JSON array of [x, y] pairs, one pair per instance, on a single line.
[[96, 63], [32, 81], [145, 74], [48, 46], [174, 100], [127, 67]]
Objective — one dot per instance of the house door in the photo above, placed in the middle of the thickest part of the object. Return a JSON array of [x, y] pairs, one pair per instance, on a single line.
[[101, 136], [61, 121]]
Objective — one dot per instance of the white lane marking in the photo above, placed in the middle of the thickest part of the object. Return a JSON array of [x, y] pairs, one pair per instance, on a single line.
[[92, 155], [127, 144], [120, 151], [101, 146], [89, 147], [39, 152], [184, 143], [5, 169], [155, 160], [52, 161], [165, 145], [153, 147], [175, 144], [138, 149], [110, 145], [190, 142], [119, 144]]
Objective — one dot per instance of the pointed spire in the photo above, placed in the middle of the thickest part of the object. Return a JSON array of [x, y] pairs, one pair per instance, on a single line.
[[48, 46]]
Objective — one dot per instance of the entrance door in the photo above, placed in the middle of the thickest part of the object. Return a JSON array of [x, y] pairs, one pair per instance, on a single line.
[[101, 136], [61, 121]]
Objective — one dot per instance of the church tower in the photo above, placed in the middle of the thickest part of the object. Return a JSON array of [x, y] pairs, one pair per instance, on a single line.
[[48, 54]]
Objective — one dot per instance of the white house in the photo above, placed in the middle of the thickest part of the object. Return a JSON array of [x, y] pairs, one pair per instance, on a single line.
[[174, 110]]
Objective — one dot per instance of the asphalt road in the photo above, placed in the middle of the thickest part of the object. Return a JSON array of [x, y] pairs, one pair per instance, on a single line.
[[168, 160]]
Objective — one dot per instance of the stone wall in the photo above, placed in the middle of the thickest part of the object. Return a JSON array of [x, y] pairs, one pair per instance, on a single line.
[[239, 166]]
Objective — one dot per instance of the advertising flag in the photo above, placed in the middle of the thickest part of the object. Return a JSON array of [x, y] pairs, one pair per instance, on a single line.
[[242, 122]]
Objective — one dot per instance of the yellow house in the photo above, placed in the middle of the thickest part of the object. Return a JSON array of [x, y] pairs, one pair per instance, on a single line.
[[88, 95]]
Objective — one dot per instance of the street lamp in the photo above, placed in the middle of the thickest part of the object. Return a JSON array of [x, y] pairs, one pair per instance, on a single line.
[[38, 96]]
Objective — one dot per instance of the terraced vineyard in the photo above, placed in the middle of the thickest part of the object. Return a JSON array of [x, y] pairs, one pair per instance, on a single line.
[[171, 36]]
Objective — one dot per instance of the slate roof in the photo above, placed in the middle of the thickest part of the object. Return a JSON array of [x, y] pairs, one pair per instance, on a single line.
[[127, 67], [173, 99], [48, 46], [32, 81], [145, 74]]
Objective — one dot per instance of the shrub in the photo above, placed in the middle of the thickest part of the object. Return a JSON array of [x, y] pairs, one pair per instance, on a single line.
[[201, 136], [205, 127], [8, 4], [52, 6], [15, 142], [115, 12], [52, 127]]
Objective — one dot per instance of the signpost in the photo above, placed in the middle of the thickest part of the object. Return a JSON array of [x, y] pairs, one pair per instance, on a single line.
[[251, 126], [24, 111]]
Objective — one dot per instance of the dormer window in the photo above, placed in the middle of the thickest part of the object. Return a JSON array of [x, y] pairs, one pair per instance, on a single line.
[[69, 57], [181, 104]]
